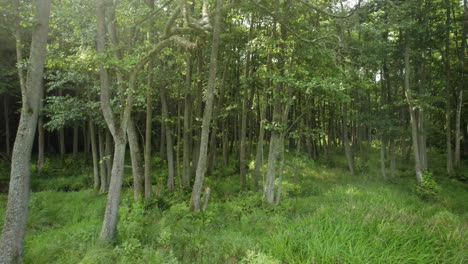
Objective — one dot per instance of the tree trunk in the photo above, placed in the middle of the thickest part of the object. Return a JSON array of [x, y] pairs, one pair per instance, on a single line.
[[86, 139], [148, 136], [201, 167], [62, 142], [75, 142], [102, 162], [261, 136], [347, 147], [461, 86], [40, 141], [135, 155], [7, 126], [168, 135], [113, 198], [14, 227], [94, 152], [187, 124], [281, 170], [108, 151], [448, 110], [391, 150], [382, 158], [414, 125]]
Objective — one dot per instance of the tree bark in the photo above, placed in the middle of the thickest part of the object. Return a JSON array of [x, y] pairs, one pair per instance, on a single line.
[[40, 140], [149, 125], [113, 197], [108, 152], [168, 136], [75, 141], [263, 103], [278, 122], [135, 156], [201, 167], [414, 125], [102, 162], [382, 158], [448, 110], [461, 86], [187, 124], [7, 125], [347, 147], [14, 227], [94, 152], [391, 150]]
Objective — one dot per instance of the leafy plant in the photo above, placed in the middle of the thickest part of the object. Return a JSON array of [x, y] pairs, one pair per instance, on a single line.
[[428, 188]]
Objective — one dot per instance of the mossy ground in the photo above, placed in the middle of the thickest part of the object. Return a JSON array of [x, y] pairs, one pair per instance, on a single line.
[[327, 216]]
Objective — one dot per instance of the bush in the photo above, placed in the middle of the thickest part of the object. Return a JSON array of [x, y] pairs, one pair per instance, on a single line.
[[428, 188]]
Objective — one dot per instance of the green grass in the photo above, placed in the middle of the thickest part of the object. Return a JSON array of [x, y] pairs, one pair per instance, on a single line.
[[328, 216]]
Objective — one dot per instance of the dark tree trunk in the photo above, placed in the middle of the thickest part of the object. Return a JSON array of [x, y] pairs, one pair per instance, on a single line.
[[168, 136], [94, 152], [7, 126], [135, 156], [102, 162]]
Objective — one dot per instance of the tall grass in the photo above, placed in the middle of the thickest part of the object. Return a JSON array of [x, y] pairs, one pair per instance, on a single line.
[[327, 216]]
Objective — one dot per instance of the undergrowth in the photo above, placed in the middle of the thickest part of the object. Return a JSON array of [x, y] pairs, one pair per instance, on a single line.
[[326, 216]]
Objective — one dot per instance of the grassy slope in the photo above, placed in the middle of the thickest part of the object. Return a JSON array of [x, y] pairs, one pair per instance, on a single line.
[[331, 217]]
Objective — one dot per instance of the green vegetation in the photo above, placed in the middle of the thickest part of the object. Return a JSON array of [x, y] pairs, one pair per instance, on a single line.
[[329, 216]]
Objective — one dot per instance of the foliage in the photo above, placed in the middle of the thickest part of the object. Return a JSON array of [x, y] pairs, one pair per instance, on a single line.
[[334, 218], [428, 188]]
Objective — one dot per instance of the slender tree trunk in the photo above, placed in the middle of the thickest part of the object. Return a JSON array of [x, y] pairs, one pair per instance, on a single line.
[[179, 138], [102, 162], [61, 135], [94, 152], [382, 158], [280, 173], [149, 111], [243, 130], [75, 141], [162, 142], [347, 147], [391, 150], [148, 136], [62, 142], [14, 226], [187, 124], [168, 135], [263, 103], [7, 125], [212, 146], [448, 110], [198, 113], [109, 158], [135, 155], [201, 167], [40, 140], [261, 136], [86, 139], [414, 126], [461, 86]]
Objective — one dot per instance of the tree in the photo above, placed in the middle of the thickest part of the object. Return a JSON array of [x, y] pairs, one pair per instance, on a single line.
[[14, 227], [207, 114]]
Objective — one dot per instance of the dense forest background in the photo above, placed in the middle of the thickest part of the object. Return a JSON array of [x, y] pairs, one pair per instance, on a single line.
[[252, 119]]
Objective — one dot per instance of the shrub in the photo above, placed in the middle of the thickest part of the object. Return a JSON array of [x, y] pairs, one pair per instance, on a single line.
[[428, 188]]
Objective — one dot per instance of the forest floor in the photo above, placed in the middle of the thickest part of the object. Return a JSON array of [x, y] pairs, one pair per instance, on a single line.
[[328, 216]]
